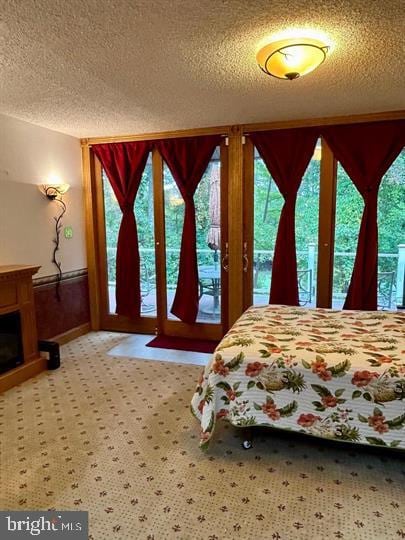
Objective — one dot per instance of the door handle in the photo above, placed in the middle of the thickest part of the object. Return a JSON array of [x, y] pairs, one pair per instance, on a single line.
[[245, 258], [225, 258]]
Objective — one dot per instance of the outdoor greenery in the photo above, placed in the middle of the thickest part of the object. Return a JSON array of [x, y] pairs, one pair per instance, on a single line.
[[174, 216], [349, 207], [267, 207]]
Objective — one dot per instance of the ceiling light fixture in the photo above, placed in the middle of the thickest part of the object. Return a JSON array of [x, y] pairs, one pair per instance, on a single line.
[[289, 59]]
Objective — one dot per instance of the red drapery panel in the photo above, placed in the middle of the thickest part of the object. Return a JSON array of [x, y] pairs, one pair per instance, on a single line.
[[124, 164], [187, 159], [366, 151], [286, 154]]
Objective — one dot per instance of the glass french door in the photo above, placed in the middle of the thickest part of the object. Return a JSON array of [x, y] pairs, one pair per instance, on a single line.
[[159, 212], [210, 201], [391, 236], [328, 215], [263, 203]]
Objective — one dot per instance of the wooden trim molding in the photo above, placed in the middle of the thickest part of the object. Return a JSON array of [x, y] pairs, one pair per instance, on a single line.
[[72, 334], [91, 235], [219, 130], [160, 239], [235, 225], [248, 218], [22, 373], [224, 197], [47, 280], [246, 128], [326, 234], [324, 121]]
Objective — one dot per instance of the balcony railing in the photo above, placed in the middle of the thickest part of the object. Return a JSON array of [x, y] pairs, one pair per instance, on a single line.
[[389, 263]]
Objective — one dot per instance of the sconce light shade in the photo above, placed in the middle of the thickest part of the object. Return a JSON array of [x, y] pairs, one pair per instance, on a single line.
[[289, 59], [54, 190]]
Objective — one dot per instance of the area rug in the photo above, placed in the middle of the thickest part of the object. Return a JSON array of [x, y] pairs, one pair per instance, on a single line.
[[183, 344], [115, 437]]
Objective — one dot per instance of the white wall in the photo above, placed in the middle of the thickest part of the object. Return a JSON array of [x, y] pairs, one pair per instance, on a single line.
[[28, 156]]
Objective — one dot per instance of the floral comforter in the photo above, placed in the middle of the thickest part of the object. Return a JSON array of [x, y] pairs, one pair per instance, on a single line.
[[334, 374]]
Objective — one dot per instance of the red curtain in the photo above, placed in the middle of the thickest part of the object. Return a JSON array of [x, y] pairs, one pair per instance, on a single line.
[[187, 159], [366, 151], [124, 164], [286, 154]]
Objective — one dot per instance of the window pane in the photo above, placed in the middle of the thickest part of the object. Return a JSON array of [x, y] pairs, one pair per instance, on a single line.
[[145, 224], [174, 217], [113, 216], [306, 230], [391, 235], [207, 205], [146, 239], [268, 203], [349, 209]]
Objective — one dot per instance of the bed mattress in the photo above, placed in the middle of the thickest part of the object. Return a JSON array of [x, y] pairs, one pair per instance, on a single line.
[[327, 373]]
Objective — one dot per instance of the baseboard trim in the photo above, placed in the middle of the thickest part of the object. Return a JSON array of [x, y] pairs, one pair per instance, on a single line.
[[71, 334], [22, 373]]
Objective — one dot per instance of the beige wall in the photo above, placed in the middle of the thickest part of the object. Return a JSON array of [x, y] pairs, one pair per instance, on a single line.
[[28, 156]]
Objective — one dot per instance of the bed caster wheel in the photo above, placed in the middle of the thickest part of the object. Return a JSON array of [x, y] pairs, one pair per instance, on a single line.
[[247, 445]]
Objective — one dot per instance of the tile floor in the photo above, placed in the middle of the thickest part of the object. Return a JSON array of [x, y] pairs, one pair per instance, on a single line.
[[135, 347]]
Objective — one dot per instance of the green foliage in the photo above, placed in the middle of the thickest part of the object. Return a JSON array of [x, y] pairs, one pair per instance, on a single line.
[[268, 203], [174, 217]]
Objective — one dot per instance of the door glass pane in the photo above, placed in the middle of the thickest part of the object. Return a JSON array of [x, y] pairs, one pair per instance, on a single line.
[[267, 206], [306, 230], [349, 209], [268, 203], [145, 224], [174, 217], [207, 205], [391, 235]]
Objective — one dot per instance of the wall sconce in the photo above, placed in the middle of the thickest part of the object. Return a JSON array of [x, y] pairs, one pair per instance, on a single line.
[[55, 192], [289, 59]]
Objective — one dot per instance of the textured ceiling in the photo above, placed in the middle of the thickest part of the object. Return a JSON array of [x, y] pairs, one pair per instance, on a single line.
[[105, 67]]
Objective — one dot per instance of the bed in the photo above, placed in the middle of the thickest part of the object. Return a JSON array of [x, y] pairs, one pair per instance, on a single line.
[[328, 373]]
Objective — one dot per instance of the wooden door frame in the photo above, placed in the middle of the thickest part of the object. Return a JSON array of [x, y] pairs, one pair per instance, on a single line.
[[235, 224], [248, 218], [326, 219], [101, 317], [326, 228], [108, 320], [199, 330]]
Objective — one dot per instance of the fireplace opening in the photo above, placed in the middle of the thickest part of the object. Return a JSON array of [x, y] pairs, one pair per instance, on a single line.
[[11, 351]]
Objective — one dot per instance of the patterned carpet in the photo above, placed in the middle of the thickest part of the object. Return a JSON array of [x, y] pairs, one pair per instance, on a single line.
[[115, 436]]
